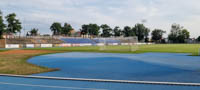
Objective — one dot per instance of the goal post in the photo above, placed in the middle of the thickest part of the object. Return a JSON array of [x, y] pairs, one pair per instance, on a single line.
[[119, 44], [199, 52]]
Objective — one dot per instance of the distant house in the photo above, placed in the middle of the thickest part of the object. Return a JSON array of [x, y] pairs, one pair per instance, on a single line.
[[74, 33], [8, 35], [78, 34]]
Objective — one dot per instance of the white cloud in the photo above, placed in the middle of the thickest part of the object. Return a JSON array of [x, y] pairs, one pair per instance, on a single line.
[[159, 13]]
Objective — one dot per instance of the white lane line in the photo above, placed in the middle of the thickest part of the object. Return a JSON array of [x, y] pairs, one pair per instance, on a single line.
[[105, 80], [46, 86]]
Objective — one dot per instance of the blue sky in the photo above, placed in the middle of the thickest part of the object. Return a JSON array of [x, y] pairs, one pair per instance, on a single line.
[[158, 13]]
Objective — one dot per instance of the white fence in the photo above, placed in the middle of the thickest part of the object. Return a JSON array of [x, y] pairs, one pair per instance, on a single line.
[[12, 45], [65, 45], [86, 44], [46, 45], [30, 45]]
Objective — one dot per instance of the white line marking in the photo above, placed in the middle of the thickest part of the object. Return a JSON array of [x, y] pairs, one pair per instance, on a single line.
[[105, 80], [46, 86]]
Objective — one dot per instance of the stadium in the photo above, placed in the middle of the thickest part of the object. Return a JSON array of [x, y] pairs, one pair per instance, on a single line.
[[101, 63], [52, 45]]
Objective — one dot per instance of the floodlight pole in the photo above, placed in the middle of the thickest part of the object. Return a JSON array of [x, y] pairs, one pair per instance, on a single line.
[[143, 21], [24, 29]]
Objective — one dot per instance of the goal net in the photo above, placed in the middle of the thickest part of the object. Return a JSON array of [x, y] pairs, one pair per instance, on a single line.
[[118, 44]]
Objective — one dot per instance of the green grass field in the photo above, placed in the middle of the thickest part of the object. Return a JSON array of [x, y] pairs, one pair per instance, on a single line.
[[15, 61], [192, 49]]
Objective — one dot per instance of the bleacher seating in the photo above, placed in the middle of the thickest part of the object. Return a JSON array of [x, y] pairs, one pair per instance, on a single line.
[[78, 40], [88, 40]]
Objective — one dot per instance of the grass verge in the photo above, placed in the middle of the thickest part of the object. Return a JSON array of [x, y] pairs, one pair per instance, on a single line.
[[15, 62]]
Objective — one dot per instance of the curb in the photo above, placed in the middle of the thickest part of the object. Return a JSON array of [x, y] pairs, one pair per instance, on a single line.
[[104, 80]]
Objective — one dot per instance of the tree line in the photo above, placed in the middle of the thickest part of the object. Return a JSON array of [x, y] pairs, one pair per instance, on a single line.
[[13, 24], [178, 33], [58, 29], [138, 30]]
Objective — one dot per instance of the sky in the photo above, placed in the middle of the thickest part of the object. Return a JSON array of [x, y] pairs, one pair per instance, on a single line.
[[160, 14]]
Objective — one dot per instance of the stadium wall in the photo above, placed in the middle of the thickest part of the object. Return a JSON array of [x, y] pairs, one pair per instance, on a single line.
[[12, 45], [30, 42], [59, 42], [30, 45], [64, 45], [86, 44], [46, 45]]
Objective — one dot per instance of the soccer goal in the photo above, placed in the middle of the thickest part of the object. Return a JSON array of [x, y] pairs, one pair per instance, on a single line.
[[118, 44], [199, 51]]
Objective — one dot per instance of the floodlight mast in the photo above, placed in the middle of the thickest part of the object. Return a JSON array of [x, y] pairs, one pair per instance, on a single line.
[[24, 27], [143, 21]]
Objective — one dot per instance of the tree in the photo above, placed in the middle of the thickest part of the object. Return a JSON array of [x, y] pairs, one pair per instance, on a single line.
[[56, 28], [84, 30], [2, 25], [141, 32], [107, 30], [198, 39], [183, 35], [175, 31], [117, 31], [157, 35], [90, 29], [34, 32], [178, 34], [66, 29], [127, 31], [14, 25], [93, 29]]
